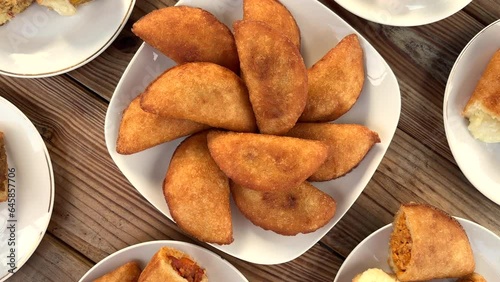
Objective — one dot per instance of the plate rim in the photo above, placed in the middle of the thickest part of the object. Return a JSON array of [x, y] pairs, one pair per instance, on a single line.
[[487, 193], [85, 61], [387, 226], [162, 243], [349, 8], [50, 171], [322, 231]]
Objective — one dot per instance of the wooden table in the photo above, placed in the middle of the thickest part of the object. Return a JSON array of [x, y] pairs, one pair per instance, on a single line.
[[98, 212]]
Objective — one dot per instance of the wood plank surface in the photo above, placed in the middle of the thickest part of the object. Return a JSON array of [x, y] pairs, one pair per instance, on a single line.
[[98, 212]]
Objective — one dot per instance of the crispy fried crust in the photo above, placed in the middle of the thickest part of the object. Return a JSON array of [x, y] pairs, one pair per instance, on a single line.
[[140, 130], [10, 8], [335, 81], [302, 209], [275, 14], [347, 144], [274, 73], [160, 267], [3, 169], [439, 247], [128, 272], [197, 192], [265, 162], [188, 34], [202, 92]]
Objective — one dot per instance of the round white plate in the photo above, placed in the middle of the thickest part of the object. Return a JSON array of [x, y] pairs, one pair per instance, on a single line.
[[34, 189], [403, 12], [41, 43], [378, 108], [478, 161], [372, 252], [217, 268]]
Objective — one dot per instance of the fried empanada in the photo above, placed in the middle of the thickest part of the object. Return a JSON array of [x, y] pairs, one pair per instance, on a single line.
[[335, 81], [347, 144], [197, 192], [275, 14], [172, 265], [483, 107], [274, 73], [427, 243], [265, 162], [302, 209], [128, 272], [188, 34], [202, 92], [140, 130]]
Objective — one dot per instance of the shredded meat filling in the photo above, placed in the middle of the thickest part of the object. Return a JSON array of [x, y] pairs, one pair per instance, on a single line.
[[401, 244], [187, 268]]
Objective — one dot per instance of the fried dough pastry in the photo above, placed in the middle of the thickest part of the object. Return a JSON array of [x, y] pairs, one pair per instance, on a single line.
[[274, 73], [302, 209], [483, 108], [265, 162], [197, 192], [140, 130], [474, 277], [202, 92], [275, 14], [426, 243], [172, 265], [128, 272], [348, 144], [3, 170], [335, 81], [188, 34]]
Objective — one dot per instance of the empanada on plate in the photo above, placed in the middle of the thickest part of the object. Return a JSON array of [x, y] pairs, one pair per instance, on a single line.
[[189, 34], [274, 73], [197, 192], [301, 209], [172, 265], [265, 162], [347, 145], [335, 81], [202, 92], [426, 243]]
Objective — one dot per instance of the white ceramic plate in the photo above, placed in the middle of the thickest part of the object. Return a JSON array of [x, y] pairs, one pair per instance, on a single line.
[[217, 268], [372, 252], [41, 43], [478, 161], [403, 12], [29, 160], [378, 108]]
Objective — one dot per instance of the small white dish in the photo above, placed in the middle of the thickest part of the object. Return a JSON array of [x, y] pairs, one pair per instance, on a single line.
[[373, 251], [403, 12], [40, 43], [378, 108], [31, 172], [478, 161], [217, 268]]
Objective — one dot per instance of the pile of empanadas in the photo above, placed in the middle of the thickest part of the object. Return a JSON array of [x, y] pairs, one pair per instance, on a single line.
[[168, 264], [258, 119], [426, 243]]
